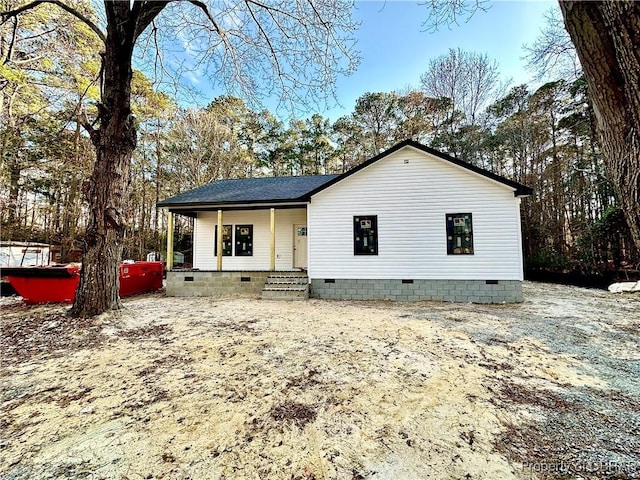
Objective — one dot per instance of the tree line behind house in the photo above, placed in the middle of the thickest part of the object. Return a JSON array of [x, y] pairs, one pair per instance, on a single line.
[[542, 137]]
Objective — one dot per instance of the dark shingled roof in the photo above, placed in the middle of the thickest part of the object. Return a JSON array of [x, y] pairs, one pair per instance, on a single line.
[[249, 190], [272, 190]]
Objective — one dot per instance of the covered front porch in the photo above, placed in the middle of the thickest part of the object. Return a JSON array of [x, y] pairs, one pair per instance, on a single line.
[[247, 232], [256, 239], [255, 243]]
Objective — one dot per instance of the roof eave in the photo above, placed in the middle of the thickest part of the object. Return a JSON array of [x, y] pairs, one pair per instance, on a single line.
[[227, 204], [523, 192]]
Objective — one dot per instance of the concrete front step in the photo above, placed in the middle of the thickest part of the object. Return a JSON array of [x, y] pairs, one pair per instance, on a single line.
[[289, 274], [285, 295], [286, 281], [286, 286]]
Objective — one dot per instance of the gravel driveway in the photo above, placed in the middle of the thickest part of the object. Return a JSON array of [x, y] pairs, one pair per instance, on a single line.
[[243, 388]]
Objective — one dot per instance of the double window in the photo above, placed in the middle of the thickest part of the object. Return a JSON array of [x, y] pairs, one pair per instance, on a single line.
[[243, 241], [365, 235], [459, 233]]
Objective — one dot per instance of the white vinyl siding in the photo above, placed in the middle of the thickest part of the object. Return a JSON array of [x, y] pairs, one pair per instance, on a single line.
[[411, 192], [203, 238]]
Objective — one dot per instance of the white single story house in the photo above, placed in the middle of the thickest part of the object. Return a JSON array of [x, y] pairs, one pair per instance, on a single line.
[[409, 224]]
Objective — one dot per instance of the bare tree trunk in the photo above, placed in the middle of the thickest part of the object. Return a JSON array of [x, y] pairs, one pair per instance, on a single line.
[[14, 191], [107, 189], [156, 211], [607, 38]]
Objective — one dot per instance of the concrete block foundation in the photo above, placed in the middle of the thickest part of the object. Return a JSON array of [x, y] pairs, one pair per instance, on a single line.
[[476, 291], [203, 283]]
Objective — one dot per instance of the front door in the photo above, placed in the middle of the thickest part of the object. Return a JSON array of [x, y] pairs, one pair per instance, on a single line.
[[300, 246]]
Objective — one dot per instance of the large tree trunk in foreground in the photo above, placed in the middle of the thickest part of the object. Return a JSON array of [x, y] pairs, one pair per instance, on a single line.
[[607, 38], [107, 189]]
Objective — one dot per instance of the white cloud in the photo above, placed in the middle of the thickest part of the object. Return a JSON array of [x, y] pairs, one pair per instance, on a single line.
[[194, 77]]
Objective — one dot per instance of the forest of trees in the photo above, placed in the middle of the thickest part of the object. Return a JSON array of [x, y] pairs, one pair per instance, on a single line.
[[540, 136]]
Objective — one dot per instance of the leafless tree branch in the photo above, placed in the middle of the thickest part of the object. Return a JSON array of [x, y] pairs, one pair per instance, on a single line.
[[272, 9], [147, 12], [12, 42], [83, 18], [449, 12], [553, 53], [205, 9], [266, 38], [158, 57], [88, 126]]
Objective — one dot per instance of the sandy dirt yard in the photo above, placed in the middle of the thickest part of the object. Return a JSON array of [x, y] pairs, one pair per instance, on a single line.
[[243, 388]]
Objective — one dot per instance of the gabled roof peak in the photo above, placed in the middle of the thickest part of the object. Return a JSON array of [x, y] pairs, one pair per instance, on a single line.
[[519, 189]]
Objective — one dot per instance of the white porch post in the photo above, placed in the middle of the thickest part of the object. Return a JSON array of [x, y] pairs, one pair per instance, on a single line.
[[272, 260], [219, 243], [170, 227]]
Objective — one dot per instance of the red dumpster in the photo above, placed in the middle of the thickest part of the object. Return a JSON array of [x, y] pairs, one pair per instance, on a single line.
[[138, 277], [59, 284], [44, 284]]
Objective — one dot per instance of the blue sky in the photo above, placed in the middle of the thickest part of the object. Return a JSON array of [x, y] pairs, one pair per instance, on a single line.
[[396, 48]]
